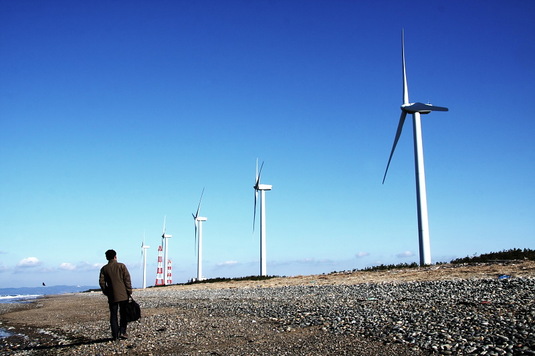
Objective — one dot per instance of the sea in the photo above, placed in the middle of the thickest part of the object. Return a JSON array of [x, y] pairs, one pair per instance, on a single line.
[[29, 294]]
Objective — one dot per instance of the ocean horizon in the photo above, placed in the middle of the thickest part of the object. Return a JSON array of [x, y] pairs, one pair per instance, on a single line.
[[26, 294]]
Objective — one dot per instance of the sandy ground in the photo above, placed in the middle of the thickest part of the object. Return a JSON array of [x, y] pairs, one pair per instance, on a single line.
[[51, 312]]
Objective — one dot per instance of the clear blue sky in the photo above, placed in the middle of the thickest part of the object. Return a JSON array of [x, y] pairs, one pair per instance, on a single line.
[[114, 114]]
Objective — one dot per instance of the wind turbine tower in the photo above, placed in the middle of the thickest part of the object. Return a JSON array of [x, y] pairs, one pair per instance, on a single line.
[[416, 109], [144, 252], [165, 244], [198, 220], [262, 188]]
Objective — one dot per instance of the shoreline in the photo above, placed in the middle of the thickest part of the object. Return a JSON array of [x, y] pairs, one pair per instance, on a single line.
[[370, 313]]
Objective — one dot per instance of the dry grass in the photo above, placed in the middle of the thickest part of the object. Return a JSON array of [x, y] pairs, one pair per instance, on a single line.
[[438, 272]]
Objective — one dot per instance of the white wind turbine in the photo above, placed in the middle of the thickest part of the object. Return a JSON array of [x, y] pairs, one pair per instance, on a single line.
[[262, 188], [416, 109], [198, 233], [144, 252], [165, 245]]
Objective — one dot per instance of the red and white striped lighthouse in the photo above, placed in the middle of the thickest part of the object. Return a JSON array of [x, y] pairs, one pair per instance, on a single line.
[[169, 277], [159, 269]]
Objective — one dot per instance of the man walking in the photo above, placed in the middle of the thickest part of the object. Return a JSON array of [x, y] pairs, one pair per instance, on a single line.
[[115, 283]]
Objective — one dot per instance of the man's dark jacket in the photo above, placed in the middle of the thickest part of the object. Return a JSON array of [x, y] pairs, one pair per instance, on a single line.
[[115, 282]]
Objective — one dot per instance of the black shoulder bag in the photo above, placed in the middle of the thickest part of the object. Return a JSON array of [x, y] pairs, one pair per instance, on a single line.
[[132, 310]]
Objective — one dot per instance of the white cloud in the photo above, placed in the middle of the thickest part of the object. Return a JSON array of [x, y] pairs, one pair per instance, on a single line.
[[314, 261], [86, 266], [29, 262], [227, 264], [405, 254], [362, 254], [67, 266]]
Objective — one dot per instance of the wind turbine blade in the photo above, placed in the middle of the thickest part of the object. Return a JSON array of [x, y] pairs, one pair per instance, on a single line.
[[199, 206], [195, 245], [256, 172], [254, 211], [257, 182], [405, 86], [163, 229], [396, 139], [259, 173]]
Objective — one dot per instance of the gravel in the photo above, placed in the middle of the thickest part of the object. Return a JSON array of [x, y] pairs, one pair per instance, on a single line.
[[477, 316]]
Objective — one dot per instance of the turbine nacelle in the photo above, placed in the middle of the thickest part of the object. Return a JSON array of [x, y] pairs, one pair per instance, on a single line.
[[263, 187], [421, 108], [165, 236], [200, 218]]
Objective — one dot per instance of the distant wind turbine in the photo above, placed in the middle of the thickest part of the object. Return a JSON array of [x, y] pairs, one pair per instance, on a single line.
[[165, 244], [262, 189], [198, 233], [144, 252], [416, 109]]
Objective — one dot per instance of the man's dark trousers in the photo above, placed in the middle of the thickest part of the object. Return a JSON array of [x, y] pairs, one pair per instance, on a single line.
[[116, 329]]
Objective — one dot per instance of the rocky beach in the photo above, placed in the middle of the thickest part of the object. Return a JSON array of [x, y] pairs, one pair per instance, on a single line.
[[483, 309]]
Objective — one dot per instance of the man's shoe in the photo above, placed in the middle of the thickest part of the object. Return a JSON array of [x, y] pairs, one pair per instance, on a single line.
[[124, 336]]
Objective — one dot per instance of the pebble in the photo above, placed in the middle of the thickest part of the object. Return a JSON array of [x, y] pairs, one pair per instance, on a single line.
[[461, 316], [473, 316]]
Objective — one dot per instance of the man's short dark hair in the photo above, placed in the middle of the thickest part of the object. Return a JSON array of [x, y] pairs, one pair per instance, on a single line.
[[110, 254]]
